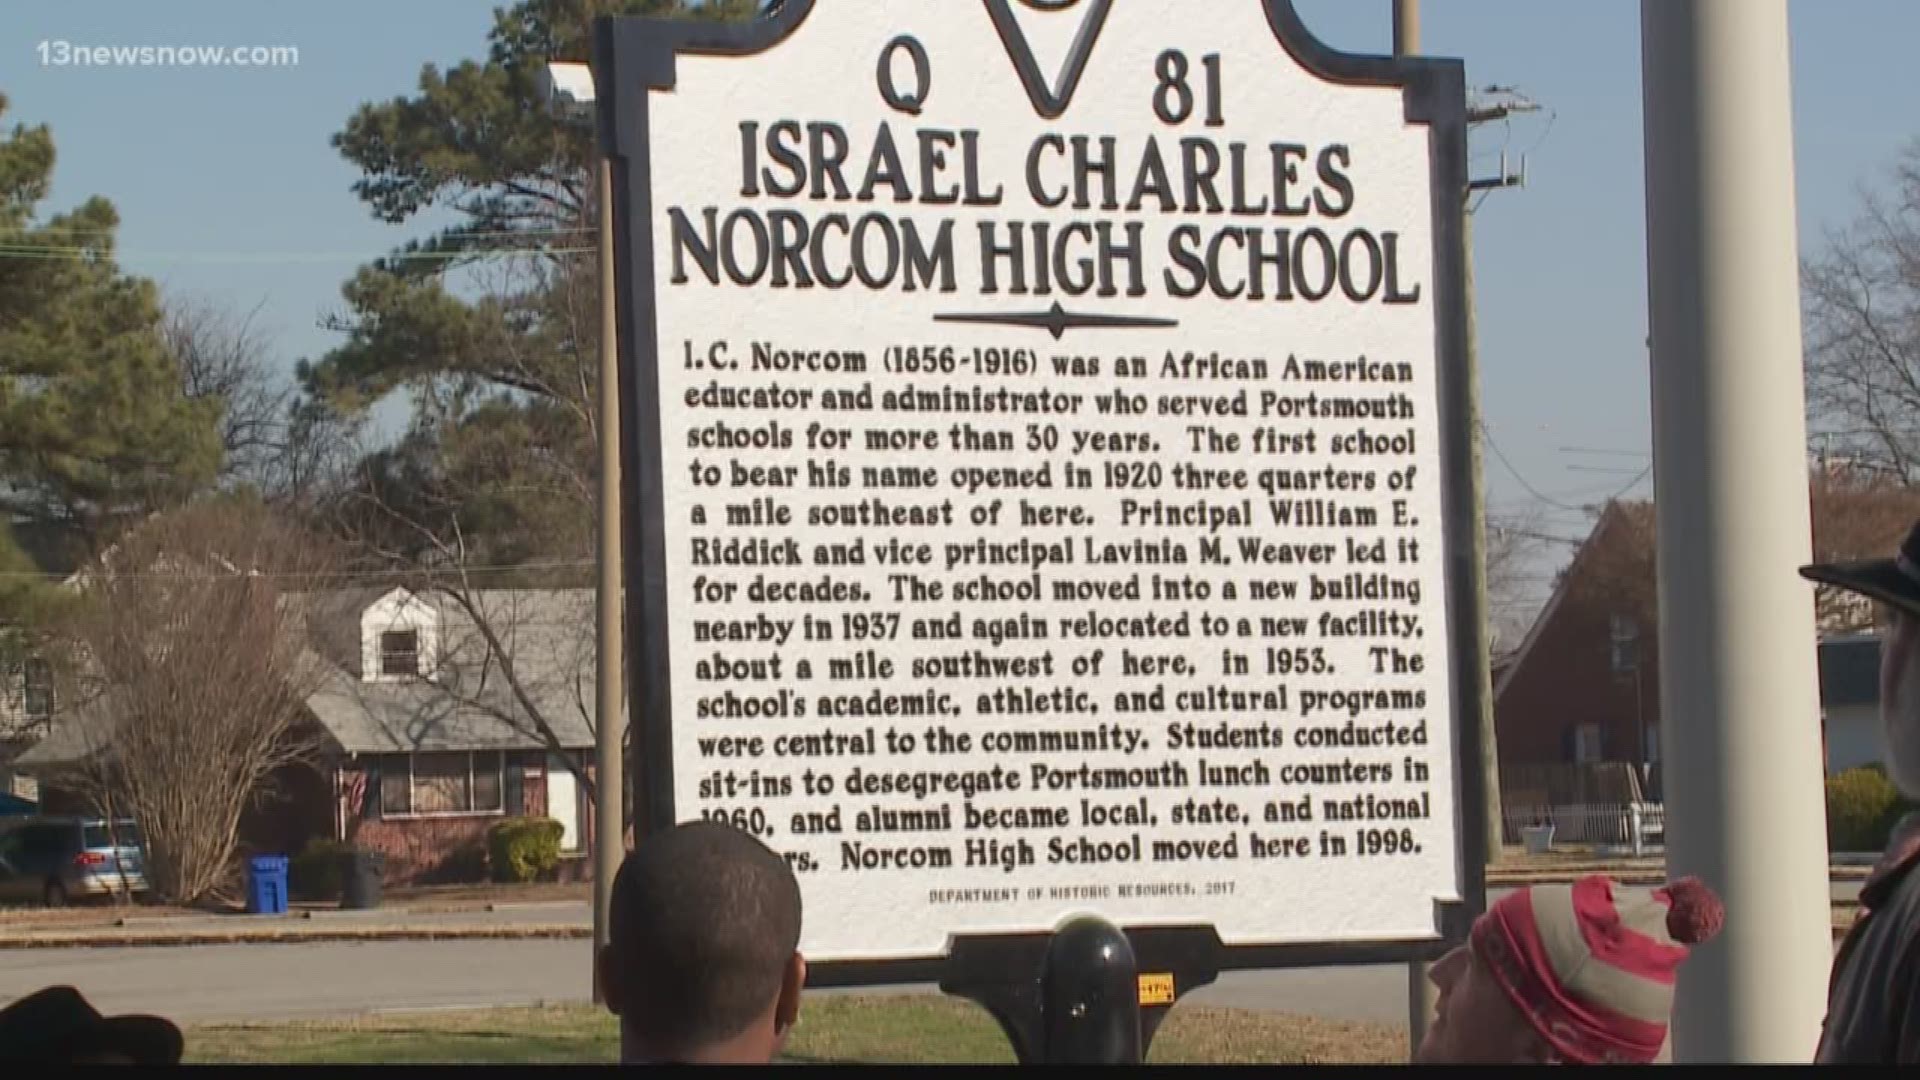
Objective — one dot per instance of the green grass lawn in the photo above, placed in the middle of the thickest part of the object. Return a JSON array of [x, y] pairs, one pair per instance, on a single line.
[[905, 1029]]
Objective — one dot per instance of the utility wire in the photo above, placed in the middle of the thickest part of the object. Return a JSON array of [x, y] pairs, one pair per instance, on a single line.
[[68, 254], [32, 234], [1494, 445], [295, 575]]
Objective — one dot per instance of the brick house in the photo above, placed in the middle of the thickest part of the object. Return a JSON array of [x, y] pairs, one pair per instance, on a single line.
[[1583, 688], [1584, 685], [424, 738]]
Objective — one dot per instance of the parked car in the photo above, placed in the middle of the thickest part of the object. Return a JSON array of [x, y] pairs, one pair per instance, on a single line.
[[56, 859]]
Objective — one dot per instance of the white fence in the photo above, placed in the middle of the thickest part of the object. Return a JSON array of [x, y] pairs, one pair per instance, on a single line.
[[1634, 825]]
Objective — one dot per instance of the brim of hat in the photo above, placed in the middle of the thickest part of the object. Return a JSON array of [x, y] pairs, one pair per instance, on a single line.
[[148, 1040], [1880, 579]]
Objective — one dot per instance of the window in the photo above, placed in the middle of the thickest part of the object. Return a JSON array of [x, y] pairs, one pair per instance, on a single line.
[[423, 785], [36, 686], [96, 835], [400, 652], [1587, 746]]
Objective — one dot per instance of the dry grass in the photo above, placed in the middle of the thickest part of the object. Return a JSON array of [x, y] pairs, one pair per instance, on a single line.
[[905, 1029], [106, 912], [473, 897], [84, 913]]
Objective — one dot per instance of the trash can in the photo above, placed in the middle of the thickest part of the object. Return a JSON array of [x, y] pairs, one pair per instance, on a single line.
[[360, 880], [267, 885]]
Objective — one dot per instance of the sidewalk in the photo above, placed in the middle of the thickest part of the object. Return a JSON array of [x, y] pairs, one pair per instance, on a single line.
[[128, 926], [431, 918]]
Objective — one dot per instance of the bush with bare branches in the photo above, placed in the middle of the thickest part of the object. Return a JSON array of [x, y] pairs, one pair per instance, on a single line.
[[188, 679]]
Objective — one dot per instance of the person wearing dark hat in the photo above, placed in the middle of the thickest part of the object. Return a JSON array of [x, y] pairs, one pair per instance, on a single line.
[[1579, 974], [1873, 998], [702, 963], [57, 1026]]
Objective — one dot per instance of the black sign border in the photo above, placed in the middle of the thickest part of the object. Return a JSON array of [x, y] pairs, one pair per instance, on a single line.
[[633, 57]]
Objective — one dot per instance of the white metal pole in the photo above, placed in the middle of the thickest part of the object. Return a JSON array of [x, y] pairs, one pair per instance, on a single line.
[[1738, 687]]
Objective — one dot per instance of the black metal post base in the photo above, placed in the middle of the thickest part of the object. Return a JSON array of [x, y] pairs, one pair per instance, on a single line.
[[1088, 993]]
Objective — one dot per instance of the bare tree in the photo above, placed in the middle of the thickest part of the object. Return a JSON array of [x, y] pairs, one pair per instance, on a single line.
[[485, 508], [292, 451], [518, 642], [188, 678], [1513, 542], [223, 357], [1861, 295], [1858, 513]]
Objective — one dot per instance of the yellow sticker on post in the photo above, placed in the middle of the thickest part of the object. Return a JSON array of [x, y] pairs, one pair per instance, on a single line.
[[1156, 988]]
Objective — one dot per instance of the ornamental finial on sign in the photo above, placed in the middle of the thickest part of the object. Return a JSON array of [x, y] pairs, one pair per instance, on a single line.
[[1050, 99]]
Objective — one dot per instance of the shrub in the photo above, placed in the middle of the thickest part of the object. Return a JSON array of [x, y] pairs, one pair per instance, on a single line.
[[464, 865], [318, 873], [524, 848], [1862, 807]]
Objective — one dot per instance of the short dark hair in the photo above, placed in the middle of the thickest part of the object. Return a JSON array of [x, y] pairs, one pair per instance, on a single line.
[[704, 922]]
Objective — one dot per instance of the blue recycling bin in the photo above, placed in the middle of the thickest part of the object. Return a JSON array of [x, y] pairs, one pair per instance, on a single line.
[[267, 885]]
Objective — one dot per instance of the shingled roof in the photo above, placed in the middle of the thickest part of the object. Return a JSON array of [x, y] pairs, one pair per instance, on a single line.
[[469, 704]]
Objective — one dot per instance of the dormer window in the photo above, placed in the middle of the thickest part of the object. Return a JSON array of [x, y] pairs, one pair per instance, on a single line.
[[400, 652], [37, 690]]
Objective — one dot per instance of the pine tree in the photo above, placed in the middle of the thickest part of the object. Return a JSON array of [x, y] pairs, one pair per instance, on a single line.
[[94, 428]]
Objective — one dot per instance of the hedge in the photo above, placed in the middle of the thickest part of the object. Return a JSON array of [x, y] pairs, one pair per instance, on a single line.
[[524, 849], [318, 872], [1863, 806]]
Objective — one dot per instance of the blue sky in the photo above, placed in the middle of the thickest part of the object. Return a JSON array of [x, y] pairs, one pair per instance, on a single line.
[[229, 191]]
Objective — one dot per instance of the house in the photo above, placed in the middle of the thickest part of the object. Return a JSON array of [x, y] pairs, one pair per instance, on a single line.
[[1850, 702], [26, 697], [1584, 686], [26, 681], [424, 706]]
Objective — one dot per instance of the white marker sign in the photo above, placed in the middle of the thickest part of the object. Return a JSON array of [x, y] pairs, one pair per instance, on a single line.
[[1048, 437]]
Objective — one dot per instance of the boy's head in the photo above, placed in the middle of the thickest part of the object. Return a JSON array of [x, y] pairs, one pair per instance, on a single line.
[[702, 960], [1580, 973]]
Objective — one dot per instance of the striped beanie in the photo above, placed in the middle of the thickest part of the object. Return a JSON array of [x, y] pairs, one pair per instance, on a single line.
[[1591, 965]]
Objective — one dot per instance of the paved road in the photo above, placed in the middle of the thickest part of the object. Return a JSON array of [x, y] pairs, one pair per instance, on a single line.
[[209, 982], [257, 982]]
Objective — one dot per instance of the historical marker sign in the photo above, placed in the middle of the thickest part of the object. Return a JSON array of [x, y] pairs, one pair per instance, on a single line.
[[1045, 438]]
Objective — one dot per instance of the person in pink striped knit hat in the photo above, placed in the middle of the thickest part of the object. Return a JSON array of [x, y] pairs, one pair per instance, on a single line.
[[1572, 974]]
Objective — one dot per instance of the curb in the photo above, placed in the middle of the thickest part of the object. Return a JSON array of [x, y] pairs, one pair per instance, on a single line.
[[293, 937], [519, 933], [1507, 878]]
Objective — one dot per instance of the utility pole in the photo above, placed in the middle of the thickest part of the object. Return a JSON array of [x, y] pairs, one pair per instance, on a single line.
[[569, 91], [1423, 998], [1421, 993], [610, 728], [1494, 818], [1729, 461]]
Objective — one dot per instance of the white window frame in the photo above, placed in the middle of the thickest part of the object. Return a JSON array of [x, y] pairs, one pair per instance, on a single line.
[[28, 690], [411, 814], [386, 657]]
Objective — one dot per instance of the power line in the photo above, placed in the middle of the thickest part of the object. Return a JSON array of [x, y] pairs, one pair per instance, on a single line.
[[49, 231], [299, 575], [1494, 445], [65, 254], [1637, 454]]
